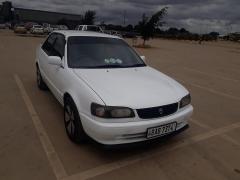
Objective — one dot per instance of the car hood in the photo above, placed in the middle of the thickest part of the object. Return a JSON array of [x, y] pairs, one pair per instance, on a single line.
[[136, 88]]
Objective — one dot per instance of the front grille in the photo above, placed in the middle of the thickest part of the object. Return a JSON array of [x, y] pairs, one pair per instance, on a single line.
[[156, 112]]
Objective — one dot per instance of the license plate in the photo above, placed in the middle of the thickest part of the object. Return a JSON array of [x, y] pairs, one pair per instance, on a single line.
[[161, 130]]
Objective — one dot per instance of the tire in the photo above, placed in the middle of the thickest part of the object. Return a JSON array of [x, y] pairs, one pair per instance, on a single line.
[[72, 121], [41, 84]]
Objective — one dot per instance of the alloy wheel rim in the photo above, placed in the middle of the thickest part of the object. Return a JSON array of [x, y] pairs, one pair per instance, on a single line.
[[69, 120]]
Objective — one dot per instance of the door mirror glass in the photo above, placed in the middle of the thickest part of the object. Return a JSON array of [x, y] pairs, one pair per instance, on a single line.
[[143, 58], [55, 60]]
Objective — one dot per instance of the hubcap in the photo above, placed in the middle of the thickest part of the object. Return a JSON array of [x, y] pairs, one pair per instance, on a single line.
[[69, 120]]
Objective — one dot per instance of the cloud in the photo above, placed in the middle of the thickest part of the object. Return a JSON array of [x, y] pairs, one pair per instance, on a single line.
[[194, 15]]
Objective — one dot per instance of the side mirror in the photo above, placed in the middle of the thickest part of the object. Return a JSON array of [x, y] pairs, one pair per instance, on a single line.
[[143, 58], [55, 60]]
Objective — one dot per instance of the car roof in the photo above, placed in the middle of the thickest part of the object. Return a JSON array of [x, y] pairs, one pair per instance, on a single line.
[[69, 33]]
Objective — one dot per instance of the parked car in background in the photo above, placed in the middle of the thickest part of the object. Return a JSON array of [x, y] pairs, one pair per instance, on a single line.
[[29, 25], [116, 33], [107, 32], [54, 28], [129, 34], [93, 28], [62, 27], [108, 91], [2, 26], [48, 28], [37, 29], [20, 29]]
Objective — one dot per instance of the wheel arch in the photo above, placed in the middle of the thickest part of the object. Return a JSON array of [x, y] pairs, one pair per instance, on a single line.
[[65, 96], [70, 95]]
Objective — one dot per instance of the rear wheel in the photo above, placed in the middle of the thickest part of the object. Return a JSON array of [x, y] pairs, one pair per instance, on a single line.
[[72, 122], [41, 84]]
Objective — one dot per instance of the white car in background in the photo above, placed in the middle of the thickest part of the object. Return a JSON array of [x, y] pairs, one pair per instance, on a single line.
[[37, 29], [107, 90], [93, 28], [48, 28], [2, 26], [63, 27]]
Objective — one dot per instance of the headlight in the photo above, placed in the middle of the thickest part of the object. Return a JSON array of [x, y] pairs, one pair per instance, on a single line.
[[185, 100], [111, 111]]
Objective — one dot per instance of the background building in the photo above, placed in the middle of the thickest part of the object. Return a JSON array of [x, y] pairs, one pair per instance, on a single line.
[[21, 15], [29, 15]]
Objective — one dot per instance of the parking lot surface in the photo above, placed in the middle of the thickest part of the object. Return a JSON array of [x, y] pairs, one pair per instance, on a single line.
[[34, 145]]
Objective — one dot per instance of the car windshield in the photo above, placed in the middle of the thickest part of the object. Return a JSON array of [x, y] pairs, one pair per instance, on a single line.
[[101, 52]]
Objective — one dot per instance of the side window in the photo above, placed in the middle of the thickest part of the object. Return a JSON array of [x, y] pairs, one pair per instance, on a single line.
[[54, 45], [48, 44], [59, 45]]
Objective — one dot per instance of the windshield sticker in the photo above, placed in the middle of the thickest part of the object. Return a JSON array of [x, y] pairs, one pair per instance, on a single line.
[[113, 61]]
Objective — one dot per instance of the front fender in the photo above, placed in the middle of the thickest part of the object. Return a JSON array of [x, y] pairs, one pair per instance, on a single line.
[[82, 94]]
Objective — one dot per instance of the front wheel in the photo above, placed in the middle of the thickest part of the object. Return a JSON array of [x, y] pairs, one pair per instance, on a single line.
[[73, 123], [41, 84]]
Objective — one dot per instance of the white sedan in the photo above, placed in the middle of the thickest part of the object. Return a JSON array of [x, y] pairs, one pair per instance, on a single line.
[[108, 92], [37, 29]]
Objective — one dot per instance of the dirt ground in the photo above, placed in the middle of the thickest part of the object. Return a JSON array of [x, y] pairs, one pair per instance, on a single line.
[[34, 145]]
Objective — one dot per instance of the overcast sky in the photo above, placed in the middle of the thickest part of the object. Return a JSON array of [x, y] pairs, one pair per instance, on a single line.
[[195, 15]]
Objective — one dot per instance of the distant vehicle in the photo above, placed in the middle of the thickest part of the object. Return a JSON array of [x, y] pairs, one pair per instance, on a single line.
[[48, 28], [116, 33], [129, 35], [107, 32], [234, 36], [37, 29], [29, 25], [8, 25], [93, 28], [2, 26], [107, 90], [20, 29], [62, 27]]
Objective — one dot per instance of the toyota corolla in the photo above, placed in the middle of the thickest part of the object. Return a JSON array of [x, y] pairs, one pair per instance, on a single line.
[[108, 91]]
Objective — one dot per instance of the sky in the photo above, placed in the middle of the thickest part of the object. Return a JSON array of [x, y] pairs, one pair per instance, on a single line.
[[200, 16]]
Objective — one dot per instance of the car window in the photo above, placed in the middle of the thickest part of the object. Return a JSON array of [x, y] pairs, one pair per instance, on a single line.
[[54, 45], [59, 45], [48, 44]]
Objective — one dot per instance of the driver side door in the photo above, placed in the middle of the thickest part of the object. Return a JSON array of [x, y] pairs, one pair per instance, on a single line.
[[57, 73]]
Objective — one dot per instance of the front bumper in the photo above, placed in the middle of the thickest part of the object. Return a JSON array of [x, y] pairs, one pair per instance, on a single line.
[[129, 132]]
